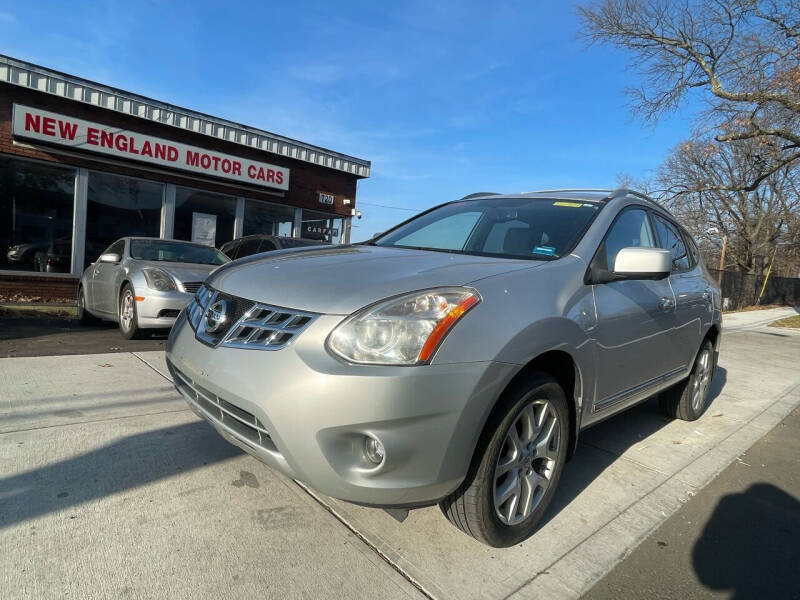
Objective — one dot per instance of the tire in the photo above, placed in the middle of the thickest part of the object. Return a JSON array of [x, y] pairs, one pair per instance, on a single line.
[[84, 316], [127, 317], [688, 400], [473, 507]]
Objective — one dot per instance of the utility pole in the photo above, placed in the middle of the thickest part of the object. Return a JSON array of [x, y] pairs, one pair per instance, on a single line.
[[722, 258]]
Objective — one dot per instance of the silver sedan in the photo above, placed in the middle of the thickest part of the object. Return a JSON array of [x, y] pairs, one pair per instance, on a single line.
[[143, 283]]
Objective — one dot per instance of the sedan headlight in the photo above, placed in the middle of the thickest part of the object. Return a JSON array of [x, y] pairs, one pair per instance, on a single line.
[[405, 330], [158, 280]]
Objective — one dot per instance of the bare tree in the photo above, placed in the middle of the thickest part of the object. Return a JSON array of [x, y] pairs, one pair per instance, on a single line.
[[704, 183], [743, 54]]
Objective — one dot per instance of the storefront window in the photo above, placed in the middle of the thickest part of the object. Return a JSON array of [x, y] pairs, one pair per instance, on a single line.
[[118, 207], [261, 217], [204, 217], [36, 206], [320, 226]]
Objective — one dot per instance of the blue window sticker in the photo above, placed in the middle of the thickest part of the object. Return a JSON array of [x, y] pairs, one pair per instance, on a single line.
[[546, 250]]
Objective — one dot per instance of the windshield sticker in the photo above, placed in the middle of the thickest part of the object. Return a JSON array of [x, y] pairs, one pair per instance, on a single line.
[[571, 204], [546, 250]]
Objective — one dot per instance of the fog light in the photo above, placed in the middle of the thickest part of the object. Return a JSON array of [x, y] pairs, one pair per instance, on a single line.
[[373, 450]]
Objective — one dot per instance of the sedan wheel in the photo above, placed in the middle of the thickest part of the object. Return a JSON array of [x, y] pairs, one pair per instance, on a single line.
[[84, 316], [516, 466], [128, 324]]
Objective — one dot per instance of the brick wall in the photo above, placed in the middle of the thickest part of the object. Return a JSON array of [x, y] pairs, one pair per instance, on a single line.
[[46, 289]]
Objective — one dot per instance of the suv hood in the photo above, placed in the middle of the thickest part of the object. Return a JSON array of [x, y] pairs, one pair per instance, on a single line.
[[343, 279]]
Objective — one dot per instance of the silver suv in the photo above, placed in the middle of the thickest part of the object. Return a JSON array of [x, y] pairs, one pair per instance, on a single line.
[[455, 358]]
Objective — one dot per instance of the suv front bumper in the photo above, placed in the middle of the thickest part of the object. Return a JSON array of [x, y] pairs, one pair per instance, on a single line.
[[305, 413]]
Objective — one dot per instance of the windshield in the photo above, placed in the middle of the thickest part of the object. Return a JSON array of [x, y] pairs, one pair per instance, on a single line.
[[532, 228], [183, 252]]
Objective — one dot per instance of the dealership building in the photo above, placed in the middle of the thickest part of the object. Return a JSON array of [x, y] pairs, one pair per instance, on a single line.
[[83, 164]]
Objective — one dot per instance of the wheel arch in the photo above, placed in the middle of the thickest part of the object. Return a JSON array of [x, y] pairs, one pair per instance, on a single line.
[[562, 367]]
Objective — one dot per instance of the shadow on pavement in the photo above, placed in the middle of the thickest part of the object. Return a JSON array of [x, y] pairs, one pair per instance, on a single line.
[[48, 336], [125, 464], [627, 428], [750, 546]]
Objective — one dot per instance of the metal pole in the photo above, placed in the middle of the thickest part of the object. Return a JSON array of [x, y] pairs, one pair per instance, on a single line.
[[722, 258], [766, 279]]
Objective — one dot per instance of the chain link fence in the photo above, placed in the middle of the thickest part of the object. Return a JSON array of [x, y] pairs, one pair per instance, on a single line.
[[742, 289]]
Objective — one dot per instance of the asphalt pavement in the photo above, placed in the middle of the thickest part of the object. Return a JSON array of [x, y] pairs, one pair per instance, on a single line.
[[45, 335], [110, 487]]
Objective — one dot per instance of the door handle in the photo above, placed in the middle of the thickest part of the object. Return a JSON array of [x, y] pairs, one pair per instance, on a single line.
[[666, 304]]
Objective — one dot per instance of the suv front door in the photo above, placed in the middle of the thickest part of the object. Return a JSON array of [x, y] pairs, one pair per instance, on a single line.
[[635, 319]]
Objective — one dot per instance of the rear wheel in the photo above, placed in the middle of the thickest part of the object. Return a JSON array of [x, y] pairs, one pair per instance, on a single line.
[[516, 467], [688, 400], [128, 321], [84, 316]]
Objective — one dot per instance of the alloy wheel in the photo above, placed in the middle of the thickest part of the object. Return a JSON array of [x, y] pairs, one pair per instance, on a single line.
[[701, 380], [127, 311], [527, 459]]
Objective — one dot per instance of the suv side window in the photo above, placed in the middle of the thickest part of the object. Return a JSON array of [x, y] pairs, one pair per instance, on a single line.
[[631, 229], [669, 238]]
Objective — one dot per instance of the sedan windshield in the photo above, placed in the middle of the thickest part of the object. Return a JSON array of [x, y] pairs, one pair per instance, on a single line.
[[183, 252], [532, 228]]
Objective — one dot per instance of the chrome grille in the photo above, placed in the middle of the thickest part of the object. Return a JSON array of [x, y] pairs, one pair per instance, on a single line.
[[191, 287], [230, 416], [253, 326]]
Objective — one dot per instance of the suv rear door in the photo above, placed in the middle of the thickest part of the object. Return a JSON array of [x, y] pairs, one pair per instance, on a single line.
[[692, 294], [635, 319]]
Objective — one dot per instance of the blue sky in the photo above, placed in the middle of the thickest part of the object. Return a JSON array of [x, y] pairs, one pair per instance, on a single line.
[[445, 98]]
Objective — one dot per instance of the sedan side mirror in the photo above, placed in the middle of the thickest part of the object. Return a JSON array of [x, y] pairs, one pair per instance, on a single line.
[[642, 263], [109, 258]]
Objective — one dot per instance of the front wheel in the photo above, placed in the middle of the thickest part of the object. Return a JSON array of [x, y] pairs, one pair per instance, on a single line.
[[688, 400], [516, 467], [128, 321]]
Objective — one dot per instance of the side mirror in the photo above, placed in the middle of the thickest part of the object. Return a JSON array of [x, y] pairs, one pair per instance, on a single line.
[[109, 258], [642, 263]]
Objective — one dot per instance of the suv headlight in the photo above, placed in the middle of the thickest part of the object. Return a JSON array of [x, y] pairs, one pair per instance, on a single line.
[[405, 330], [158, 280]]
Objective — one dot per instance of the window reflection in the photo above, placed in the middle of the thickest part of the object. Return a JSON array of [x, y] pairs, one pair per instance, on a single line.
[[36, 207], [117, 207], [203, 217], [262, 217]]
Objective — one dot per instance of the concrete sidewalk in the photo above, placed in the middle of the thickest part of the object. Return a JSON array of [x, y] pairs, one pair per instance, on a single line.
[[738, 536], [110, 486]]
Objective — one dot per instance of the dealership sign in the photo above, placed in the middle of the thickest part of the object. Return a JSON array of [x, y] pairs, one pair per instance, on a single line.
[[45, 126]]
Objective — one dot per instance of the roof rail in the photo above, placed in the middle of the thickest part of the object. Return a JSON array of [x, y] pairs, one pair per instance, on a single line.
[[603, 190], [480, 194], [622, 192]]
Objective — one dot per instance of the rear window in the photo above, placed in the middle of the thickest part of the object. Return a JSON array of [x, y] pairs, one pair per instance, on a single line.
[[532, 228]]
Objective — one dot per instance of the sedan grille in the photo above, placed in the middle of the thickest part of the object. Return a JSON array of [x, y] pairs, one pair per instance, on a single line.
[[247, 324], [230, 416], [191, 287]]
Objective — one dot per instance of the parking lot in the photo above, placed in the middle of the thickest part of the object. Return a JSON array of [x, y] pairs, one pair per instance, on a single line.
[[111, 487]]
